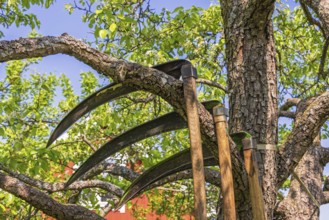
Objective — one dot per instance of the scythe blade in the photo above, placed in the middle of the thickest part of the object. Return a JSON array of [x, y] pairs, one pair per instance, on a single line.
[[107, 94], [169, 122], [174, 164]]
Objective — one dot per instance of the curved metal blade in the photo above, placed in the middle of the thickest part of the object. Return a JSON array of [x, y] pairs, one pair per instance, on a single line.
[[96, 99], [169, 122], [172, 68], [107, 94], [174, 164]]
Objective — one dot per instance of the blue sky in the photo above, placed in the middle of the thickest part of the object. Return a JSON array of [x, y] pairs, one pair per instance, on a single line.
[[56, 20]]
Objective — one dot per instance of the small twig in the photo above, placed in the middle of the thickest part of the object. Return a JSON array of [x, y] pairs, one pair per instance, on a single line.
[[310, 17], [212, 83], [64, 143], [29, 213], [84, 138], [323, 59]]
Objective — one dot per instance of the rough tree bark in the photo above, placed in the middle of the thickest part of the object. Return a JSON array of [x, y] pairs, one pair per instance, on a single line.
[[252, 82], [44, 202]]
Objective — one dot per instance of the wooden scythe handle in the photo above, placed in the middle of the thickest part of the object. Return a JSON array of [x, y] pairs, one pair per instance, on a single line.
[[189, 76], [225, 165], [255, 189]]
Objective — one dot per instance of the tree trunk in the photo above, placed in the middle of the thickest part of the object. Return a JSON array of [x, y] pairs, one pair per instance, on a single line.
[[252, 83]]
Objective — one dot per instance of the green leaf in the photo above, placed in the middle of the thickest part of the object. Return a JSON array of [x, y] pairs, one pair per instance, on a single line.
[[98, 11], [113, 27], [102, 33], [2, 208]]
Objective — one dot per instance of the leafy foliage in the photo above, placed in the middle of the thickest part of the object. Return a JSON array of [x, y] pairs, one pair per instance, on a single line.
[[14, 12], [299, 57]]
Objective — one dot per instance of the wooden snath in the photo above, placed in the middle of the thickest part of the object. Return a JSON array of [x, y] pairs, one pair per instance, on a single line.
[[225, 165], [189, 75], [255, 190]]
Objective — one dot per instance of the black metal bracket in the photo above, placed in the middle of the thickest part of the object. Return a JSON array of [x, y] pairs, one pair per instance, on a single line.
[[220, 110], [248, 144], [188, 70]]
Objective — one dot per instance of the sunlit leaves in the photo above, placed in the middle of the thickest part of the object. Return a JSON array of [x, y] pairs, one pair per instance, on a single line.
[[14, 12], [299, 49], [113, 27], [28, 111], [102, 33]]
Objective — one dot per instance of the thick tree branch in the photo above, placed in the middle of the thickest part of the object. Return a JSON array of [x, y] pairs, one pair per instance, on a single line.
[[324, 152], [310, 117], [55, 187], [287, 114], [44, 202], [325, 198], [289, 103]]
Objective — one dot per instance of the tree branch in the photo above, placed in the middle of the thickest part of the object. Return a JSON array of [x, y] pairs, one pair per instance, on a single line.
[[311, 114], [321, 10], [287, 114], [324, 152], [55, 187], [84, 138], [289, 103], [310, 17], [323, 59], [211, 83], [211, 176], [113, 169], [325, 198], [44, 202]]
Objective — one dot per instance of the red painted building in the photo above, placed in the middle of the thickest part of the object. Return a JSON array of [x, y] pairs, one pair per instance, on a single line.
[[124, 213], [127, 214]]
